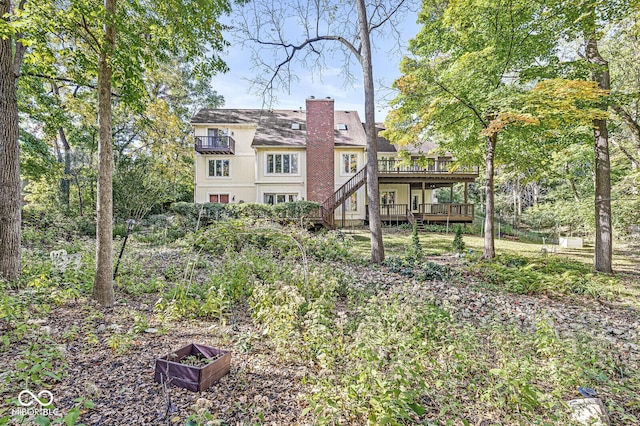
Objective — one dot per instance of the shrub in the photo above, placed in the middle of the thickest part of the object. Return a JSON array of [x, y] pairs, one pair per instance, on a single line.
[[414, 251], [458, 244]]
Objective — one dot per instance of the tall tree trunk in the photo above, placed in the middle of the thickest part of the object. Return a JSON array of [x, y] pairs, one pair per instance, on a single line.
[[65, 182], [10, 202], [489, 247], [103, 282], [604, 240], [80, 203], [373, 191]]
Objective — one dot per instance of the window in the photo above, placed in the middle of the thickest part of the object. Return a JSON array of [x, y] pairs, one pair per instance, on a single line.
[[349, 163], [219, 168], [351, 204], [342, 126], [387, 197], [282, 163], [280, 198], [219, 198], [217, 132]]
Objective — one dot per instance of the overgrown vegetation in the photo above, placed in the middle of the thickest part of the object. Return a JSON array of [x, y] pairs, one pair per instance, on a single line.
[[371, 354]]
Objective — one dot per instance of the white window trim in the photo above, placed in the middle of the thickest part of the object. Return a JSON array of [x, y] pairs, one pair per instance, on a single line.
[[342, 172], [218, 177], [266, 164], [297, 194]]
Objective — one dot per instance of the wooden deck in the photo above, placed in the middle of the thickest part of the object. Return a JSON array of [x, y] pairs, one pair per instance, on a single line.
[[429, 213]]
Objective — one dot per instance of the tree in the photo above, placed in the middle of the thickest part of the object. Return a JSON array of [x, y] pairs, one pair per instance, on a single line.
[[12, 52], [463, 84], [266, 25], [76, 41], [102, 284], [586, 21]]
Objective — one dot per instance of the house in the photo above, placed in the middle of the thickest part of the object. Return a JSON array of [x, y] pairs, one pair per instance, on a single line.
[[317, 154]]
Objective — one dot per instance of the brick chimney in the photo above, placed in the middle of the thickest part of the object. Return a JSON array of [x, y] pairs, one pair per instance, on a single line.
[[320, 144]]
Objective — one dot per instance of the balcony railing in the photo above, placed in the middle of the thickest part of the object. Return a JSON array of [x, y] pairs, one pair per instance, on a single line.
[[446, 209], [425, 211], [393, 210], [215, 145], [438, 166]]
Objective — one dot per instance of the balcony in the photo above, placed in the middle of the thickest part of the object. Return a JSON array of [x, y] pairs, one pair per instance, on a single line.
[[215, 145]]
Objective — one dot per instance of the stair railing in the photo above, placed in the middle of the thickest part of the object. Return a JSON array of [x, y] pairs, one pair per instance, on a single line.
[[340, 196]]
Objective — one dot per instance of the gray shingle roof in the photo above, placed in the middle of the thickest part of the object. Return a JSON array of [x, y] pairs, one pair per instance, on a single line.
[[274, 127]]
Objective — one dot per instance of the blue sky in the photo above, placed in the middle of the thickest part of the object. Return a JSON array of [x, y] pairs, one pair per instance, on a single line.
[[235, 85]]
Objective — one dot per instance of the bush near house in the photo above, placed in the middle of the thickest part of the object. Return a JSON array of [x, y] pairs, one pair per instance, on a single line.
[[206, 213]]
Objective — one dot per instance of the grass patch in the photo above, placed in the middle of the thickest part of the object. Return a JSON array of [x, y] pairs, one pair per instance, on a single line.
[[520, 267], [552, 276]]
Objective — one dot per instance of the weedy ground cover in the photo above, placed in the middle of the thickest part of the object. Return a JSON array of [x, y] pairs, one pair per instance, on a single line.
[[370, 346]]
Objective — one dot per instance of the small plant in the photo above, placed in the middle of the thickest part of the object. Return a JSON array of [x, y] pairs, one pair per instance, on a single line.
[[120, 343], [197, 361], [140, 323], [458, 243], [414, 251]]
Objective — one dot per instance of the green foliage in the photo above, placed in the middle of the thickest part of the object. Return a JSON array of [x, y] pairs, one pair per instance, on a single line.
[[424, 271], [455, 84], [190, 214], [553, 276], [414, 251], [458, 243], [238, 234]]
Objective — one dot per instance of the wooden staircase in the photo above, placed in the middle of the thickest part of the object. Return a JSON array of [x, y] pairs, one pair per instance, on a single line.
[[419, 224], [328, 207]]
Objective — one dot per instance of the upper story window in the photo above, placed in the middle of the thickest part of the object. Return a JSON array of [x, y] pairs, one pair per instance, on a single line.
[[349, 163], [282, 163], [219, 168]]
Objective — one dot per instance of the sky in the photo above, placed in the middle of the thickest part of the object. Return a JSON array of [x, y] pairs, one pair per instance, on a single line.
[[235, 85]]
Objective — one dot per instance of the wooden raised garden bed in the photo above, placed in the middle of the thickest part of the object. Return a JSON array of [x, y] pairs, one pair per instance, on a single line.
[[194, 367]]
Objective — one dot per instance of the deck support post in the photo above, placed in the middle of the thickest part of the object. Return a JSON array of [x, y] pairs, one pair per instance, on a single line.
[[466, 193]]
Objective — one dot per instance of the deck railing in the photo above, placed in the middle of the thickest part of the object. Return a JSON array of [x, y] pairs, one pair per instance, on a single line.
[[393, 210], [448, 209], [215, 144], [438, 166], [439, 209]]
